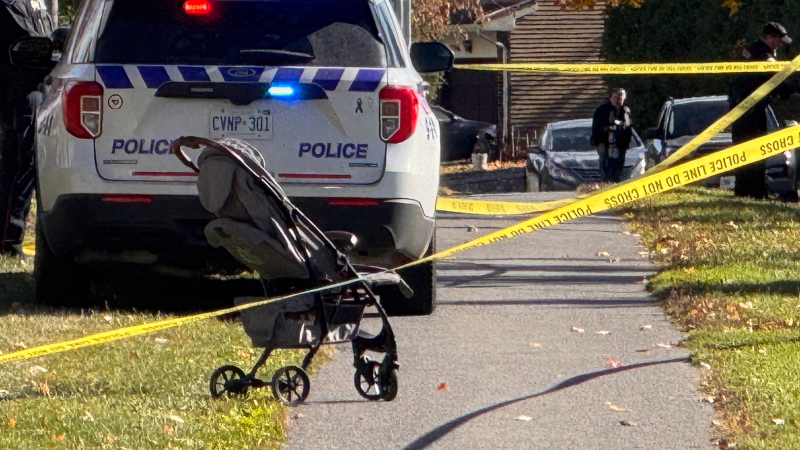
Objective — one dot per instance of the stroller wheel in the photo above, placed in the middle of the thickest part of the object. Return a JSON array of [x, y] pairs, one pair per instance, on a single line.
[[390, 390], [367, 384], [290, 385], [230, 379]]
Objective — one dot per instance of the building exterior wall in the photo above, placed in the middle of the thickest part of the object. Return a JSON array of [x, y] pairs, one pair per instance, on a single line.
[[553, 34]]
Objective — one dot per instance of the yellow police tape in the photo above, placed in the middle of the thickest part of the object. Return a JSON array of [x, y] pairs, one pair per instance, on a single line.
[[631, 69], [665, 180], [491, 207]]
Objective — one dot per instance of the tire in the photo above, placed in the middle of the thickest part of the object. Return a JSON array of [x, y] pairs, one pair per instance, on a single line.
[[58, 279], [421, 278]]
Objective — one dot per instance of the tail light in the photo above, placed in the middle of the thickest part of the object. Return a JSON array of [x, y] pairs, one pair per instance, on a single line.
[[83, 109], [197, 7], [399, 111]]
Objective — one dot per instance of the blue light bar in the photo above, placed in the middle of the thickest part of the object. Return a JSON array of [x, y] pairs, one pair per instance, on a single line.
[[281, 91]]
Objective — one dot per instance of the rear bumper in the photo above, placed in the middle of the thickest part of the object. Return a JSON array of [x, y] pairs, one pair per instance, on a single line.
[[171, 227]]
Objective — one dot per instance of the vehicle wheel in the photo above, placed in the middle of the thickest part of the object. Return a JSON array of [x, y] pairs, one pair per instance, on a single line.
[[370, 388], [534, 182], [230, 379], [290, 385], [421, 278], [58, 279], [391, 388]]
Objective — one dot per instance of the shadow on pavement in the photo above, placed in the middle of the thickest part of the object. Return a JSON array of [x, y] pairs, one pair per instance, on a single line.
[[442, 430], [587, 302]]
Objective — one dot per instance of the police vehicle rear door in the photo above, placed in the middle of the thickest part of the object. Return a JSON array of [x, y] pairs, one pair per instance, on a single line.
[[298, 79]]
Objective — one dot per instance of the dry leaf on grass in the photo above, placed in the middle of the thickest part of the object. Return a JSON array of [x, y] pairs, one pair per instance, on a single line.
[[110, 438], [778, 421], [159, 340], [60, 437], [442, 387], [169, 430], [11, 422], [45, 388], [524, 418], [175, 418], [88, 416], [36, 370], [706, 365], [614, 407]]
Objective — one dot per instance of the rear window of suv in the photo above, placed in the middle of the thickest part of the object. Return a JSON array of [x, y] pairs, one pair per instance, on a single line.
[[339, 33]]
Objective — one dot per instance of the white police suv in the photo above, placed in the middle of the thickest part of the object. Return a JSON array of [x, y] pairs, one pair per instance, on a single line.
[[325, 89]]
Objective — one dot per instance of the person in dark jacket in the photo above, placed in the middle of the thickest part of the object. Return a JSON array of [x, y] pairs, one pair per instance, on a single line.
[[18, 18], [750, 179], [611, 134]]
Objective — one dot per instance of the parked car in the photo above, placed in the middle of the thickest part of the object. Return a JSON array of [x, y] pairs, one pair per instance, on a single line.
[[459, 136], [563, 159], [680, 120], [326, 90]]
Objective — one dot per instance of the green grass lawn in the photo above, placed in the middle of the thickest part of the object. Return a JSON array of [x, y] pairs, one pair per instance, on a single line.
[[144, 392], [732, 278]]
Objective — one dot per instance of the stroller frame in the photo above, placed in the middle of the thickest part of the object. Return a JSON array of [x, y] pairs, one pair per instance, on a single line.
[[333, 310]]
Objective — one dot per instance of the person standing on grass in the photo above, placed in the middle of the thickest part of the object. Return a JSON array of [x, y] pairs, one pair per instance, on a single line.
[[18, 18], [750, 179], [611, 134]]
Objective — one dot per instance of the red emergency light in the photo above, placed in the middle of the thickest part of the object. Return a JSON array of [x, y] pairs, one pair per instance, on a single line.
[[197, 7]]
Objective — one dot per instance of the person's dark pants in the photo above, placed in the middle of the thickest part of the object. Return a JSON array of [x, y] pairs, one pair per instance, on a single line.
[[611, 167], [17, 173], [750, 179]]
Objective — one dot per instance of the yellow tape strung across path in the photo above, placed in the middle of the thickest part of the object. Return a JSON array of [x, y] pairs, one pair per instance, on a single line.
[[491, 207], [137, 330], [665, 180], [631, 69]]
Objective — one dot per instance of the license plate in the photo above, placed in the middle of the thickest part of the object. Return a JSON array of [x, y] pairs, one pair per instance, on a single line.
[[727, 182], [240, 122]]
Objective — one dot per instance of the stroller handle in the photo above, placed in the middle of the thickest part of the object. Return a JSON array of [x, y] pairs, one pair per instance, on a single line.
[[192, 142]]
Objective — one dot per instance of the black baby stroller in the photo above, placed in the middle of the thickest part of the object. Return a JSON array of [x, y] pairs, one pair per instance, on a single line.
[[259, 226]]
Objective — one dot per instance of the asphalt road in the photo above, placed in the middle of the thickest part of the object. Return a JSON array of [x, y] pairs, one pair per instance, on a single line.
[[500, 364]]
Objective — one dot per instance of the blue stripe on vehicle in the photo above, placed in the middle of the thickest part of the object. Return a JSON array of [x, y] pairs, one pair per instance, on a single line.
[[114, 77], [153, 76], [328, 78], [194, 73], [241, 73], [287, 74], [367, 80]]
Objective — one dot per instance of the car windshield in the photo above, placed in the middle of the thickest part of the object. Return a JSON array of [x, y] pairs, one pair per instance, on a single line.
[[339, 33], [690, 119], [572, 139]]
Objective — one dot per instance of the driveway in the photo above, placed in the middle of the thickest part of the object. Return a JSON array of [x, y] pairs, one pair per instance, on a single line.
[[545, 341]]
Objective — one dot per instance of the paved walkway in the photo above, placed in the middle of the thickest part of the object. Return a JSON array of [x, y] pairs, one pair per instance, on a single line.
[[522, 353]]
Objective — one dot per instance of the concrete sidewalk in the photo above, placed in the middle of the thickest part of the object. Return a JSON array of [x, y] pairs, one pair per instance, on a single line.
[[538, 342]]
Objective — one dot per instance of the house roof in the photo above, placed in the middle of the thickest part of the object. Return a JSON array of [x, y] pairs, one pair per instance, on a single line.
[[498, 15]]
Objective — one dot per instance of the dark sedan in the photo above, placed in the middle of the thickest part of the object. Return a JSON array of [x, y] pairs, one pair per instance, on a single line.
[[459, 135], [564, 159]]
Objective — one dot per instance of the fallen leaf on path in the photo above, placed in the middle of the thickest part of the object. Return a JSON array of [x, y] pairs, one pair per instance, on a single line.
[[603, 332], [614, 363], [577, 330], [646, 327], [614, 407], [524, 418], [625, 423], [643, 350], [442, 387], [605, 254], [708, 399], [663, 345], [535, 344], [471, 229], [301, 415], [644, 254]]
